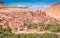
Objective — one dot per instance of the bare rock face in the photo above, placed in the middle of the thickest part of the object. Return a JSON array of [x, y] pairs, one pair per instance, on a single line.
[[54, 11]]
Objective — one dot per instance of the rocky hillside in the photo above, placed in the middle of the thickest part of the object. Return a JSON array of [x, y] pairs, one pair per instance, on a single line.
[[16, 16], [54, 11]]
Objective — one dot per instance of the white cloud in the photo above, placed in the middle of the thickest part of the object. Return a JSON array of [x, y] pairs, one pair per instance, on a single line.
[[31, 5], [20, 6]]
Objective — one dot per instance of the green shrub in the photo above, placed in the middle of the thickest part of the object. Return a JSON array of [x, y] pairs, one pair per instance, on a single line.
[[55, 28], [31, 35], [32, 26], [45, 26], [9, 36], [22, 36], [50, 27], [47, 35]]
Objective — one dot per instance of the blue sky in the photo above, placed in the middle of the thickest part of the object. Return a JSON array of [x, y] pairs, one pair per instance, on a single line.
[[30, 3]]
